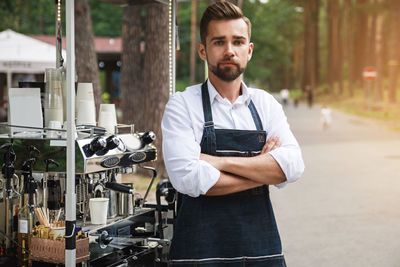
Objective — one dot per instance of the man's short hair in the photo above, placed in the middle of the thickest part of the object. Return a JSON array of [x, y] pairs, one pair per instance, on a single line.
[[222, 10]]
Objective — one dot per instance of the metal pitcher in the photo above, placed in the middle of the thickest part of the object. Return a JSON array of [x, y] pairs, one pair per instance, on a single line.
[[126, 203]]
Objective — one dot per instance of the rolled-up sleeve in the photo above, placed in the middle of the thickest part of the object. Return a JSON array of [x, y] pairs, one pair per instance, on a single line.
[[288, 155], [187, 173]]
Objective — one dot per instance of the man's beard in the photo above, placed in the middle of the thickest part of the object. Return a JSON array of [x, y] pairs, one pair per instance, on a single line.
[[228, 73]]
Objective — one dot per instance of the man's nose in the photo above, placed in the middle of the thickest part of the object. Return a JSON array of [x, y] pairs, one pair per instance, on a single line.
[[229, 49]]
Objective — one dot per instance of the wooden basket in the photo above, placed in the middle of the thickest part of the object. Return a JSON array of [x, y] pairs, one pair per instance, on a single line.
[[53, 251]]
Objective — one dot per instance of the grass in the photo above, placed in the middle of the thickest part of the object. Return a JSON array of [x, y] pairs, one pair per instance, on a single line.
[[141, 182], [359, 105]]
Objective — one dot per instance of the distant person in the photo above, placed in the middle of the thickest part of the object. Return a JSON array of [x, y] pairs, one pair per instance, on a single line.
[[326, 117], [296, 102], [284, 96], [310, 96], [224, 144]]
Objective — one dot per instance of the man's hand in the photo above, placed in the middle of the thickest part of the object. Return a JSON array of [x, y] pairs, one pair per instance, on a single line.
[[271, 144], [262, 169], [218, 162]]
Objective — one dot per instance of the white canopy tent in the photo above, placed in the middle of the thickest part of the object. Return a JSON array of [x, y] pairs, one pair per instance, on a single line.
[[23, 54]]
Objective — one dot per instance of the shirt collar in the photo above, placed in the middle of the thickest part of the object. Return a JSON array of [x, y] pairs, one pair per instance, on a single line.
[[214, 95]]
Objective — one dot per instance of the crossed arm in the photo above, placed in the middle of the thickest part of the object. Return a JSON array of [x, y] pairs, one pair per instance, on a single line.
[[242, 173]]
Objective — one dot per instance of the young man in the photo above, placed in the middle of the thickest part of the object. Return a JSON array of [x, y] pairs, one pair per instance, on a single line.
[[223, 144]]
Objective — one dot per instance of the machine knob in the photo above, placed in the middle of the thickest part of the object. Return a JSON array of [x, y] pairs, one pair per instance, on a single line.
[[104, 239], [97, 144], [148, 137], [112, 142]]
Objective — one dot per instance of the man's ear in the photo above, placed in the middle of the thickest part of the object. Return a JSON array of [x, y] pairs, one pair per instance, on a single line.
[[250, 54], [201, 49]]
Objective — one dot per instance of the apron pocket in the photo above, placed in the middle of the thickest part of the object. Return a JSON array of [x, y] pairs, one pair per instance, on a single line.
[[267, 261]]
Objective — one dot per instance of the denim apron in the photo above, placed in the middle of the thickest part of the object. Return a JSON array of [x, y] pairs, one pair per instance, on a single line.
[[232, 230]]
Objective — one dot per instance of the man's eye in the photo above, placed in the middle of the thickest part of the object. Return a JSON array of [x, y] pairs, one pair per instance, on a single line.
[[238, 42], [218, 43]]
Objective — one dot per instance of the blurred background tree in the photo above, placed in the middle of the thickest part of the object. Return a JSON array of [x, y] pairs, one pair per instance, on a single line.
[[324, 45]]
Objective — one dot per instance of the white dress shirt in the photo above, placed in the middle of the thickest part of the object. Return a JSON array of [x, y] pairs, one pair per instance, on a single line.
[[182, 130]]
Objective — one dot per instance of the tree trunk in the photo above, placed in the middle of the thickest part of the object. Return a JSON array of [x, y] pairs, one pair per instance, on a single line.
[[379, 60], [333, 43], [193, 42], [240, 4], [348, 55], [370, 55], [156, 75], [297, 51], [339, 61], [360, 41], [85, 55], [132, 93], [393, 50], [311, 70]]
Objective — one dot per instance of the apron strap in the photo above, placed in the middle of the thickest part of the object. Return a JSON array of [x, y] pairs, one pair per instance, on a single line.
[[256, 117], [206, 105], [209, 130]]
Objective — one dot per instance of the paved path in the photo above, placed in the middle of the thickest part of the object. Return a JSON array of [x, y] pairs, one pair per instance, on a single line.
[[345, 210]]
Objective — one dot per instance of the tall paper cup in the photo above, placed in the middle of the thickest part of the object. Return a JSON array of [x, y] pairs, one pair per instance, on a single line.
[[84, 92], [53, 104], [98, 210], [107, 117], [86, 113], [107, 107]]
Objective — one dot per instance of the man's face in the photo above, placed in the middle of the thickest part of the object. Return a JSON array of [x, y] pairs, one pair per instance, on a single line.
[[227, 48]]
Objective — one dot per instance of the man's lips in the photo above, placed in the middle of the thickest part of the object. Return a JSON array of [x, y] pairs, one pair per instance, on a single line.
[[227, 63]]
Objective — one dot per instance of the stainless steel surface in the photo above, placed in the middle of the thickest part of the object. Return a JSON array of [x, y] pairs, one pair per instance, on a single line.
[[94, 170], [130, 151], [93, 228], [112, 203], [126, 203]]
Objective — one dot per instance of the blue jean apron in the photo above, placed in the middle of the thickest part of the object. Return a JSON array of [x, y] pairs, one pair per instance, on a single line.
[[232, 230]]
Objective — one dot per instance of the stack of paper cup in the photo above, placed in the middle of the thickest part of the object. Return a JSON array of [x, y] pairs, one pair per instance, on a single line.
[[53, 104], [108, 117], [53, 133], [85, 106]]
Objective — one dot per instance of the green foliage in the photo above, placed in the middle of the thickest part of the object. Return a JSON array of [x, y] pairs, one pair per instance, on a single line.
[[296, 93], [276, 28], [38, 17], [106, 18], [29, 17], [181, 84]]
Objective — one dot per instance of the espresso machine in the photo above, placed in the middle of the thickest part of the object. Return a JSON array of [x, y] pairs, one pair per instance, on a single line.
[[135, 232]]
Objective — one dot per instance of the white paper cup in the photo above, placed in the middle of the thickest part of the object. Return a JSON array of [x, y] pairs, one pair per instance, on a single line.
[[52, 114], [107, 117], [53, 125], [83, 92], [107, 120], [98, 210], [107, 108], [86, 113]]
